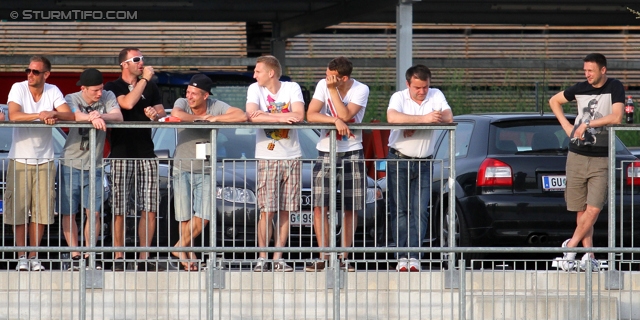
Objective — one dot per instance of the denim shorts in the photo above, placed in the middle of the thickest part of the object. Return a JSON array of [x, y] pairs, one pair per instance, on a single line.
[[74, 186], [192, 194]]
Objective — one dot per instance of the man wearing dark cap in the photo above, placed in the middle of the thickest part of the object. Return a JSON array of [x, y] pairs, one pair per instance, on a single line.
[[134, 165], [95, 105], [191, 176]]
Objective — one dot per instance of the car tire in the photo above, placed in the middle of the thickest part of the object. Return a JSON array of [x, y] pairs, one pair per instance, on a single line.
[[462, 238]]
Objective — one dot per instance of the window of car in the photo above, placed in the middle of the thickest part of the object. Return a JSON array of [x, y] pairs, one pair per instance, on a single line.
[[463, 138]]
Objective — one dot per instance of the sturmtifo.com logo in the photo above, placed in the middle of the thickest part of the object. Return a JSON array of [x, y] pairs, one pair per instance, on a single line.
[[74, 15]]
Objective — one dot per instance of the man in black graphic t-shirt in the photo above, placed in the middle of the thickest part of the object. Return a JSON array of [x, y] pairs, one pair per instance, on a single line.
[[600, 103]]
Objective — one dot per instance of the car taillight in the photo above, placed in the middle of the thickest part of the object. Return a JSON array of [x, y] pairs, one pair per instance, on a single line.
[[633, 173], [494, 173]]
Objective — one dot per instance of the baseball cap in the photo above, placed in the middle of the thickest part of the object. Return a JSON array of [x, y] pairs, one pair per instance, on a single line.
[[90, 77], [202, 82]]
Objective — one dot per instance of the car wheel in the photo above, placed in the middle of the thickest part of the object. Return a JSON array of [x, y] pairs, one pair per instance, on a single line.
[[462, 238]]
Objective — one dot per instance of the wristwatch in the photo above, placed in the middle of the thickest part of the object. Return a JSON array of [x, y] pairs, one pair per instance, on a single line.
[[587, 122]]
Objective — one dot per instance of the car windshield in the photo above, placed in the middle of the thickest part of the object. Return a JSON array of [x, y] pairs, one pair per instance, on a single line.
[[232, 143]]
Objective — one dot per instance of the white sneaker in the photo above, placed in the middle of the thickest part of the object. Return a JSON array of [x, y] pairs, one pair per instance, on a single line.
[[281, 266], [23, 264], [414, 265], [595, 265], [403, 265], [36, 265], [568, 262], [261, 266]]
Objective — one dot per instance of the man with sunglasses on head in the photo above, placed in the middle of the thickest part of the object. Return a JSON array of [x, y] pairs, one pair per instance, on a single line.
[[92, 103], [134, 163], [31, 159]]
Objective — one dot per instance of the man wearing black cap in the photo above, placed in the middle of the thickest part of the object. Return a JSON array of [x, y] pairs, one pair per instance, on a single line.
[[134, 165], [192, 180], [95, 105]]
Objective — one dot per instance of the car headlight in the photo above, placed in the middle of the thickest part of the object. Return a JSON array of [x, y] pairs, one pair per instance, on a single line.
[[236, 195], [373, 194]]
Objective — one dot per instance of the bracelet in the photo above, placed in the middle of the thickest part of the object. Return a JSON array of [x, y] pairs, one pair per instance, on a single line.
[[145, 79]]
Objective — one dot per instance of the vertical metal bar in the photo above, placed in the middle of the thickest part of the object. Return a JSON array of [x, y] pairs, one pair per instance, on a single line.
[[92, 195], [452, 197], [332, 223], [213, 161], [588, 290], [462, 292], [612, 195]]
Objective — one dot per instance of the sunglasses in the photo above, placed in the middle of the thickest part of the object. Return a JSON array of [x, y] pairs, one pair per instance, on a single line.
[[134, 59], [34, 71]]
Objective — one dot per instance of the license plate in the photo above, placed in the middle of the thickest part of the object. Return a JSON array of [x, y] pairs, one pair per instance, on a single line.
[[1, 207], [304, 218], [554, 183]]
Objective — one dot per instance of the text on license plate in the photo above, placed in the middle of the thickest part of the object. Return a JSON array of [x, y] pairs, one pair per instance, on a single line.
[[304, 218], [554, 183]]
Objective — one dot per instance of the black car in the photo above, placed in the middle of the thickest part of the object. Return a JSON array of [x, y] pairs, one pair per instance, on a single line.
[[236, 199], [510, 175]]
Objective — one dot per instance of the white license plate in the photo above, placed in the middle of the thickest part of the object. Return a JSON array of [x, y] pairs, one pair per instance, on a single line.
[[554, 183], [303, 218]]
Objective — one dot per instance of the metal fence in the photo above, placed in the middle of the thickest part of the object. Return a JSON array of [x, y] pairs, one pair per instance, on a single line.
[[223, 285]]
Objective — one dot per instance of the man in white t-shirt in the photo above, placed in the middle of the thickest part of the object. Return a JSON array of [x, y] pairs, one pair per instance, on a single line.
[[278, 151], [338, 99], [31, 158], [409, 166]]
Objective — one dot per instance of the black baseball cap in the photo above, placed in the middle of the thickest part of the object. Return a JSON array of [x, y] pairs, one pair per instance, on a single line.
[[202, 82], [90, 77]]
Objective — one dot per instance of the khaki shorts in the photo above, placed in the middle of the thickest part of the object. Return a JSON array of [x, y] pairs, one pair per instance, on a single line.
[[30, 193], [586, 182]]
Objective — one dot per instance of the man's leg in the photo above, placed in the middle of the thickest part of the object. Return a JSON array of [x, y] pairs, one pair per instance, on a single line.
[[282, 233], [189, 230], [321, 227], [118, 235], [398, 193], [87, 228], [20, 236], [70, 230], [348, 229], [36, 230], [584, 229], [146, 229], [265, 231]]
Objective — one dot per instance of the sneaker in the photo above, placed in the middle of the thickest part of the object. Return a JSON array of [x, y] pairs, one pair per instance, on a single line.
[[595, 265], [568, 262], [261, 266], [414, 265], [347, 267], [318, 265], [23, 264], [403, 265], [88, 263], [75, 264], [281, 266], [35, 265]]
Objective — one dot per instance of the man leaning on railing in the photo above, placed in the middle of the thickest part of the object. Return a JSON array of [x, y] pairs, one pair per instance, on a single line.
[[95, 105], [31, 159]]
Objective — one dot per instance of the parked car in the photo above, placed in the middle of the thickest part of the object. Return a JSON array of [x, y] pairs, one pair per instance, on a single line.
[[236, 198], [510, 178]]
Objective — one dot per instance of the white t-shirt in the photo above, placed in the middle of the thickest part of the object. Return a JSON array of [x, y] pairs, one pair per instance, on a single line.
[[276, 143], [33, 145], [358, 94], [420, 144]]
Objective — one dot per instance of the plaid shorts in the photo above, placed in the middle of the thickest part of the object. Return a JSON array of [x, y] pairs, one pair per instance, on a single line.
[[139, 175], [278, 186], [350, 171]]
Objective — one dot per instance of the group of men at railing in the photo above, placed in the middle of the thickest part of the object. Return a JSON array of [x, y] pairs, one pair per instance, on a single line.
[[339, 99]]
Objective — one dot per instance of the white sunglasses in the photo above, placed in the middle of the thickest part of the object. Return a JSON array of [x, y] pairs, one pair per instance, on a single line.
[[133, 59]]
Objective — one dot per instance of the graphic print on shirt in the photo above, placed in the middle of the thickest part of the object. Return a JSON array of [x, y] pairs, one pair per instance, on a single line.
[[590, 108], [276, 134], [333, 113]]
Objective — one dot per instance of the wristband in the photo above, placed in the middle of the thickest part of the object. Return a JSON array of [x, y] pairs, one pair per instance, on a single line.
[[145, 79]]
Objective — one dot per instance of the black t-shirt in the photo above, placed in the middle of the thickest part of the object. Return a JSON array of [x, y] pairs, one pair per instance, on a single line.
[[594, 103], [129, 142]]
